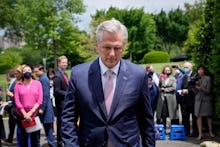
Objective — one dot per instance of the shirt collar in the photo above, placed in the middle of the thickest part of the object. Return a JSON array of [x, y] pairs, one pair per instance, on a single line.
[[105, 68], [189, 74]]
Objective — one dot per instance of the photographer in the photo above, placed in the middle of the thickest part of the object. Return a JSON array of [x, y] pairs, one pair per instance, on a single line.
[[187, 103], [203, 101]]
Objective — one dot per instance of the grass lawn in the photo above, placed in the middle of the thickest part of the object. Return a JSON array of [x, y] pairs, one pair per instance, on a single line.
[[3, 84], [157, 68]]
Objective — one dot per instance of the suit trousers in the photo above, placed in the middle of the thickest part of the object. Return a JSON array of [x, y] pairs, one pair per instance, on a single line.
[[186, 110], [11, 124], [59, 115], [49, 134]]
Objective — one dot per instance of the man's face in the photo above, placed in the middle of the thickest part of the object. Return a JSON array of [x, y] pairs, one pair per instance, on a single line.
[[63, 64], [150, 69], [37, 72], [186, 65], [110, 48]]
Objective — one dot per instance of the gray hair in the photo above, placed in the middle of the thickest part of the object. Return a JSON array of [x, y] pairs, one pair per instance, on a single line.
[[188, 63], [112, 26]]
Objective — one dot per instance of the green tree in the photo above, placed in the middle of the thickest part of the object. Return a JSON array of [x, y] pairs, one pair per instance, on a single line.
[[9, 59], [195, 13], [8, 20], [205, 49], [201, 51], [47, 25], [172, 30], [31, 56], [215, 60]]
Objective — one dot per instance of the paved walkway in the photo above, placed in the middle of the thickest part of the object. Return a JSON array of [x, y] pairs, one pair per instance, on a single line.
[[190, 142]]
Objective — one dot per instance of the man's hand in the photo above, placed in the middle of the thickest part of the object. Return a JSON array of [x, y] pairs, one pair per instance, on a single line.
[[41, 111]]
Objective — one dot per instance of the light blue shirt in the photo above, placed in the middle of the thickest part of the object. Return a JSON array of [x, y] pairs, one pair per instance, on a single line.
[[104, 68]]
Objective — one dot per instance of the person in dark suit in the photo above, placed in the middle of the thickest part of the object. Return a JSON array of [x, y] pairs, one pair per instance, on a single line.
[[46, 113], [187, 103], [117, 115], [60, 87]]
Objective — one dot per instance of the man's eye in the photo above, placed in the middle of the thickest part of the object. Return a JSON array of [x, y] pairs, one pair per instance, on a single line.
[[107, 48], [117, 48]]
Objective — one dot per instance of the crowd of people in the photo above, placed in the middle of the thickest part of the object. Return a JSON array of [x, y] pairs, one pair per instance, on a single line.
[[184, 91], [27, 97], [106, 102]]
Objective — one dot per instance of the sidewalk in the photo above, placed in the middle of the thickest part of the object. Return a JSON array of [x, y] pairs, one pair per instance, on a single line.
[[190, 142]]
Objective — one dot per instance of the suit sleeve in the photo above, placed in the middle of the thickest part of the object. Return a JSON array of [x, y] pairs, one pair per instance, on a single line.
[[70, 116], [146, 119], [46, 93]]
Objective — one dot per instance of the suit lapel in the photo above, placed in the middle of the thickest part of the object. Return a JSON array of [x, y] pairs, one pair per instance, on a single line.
[[95, 81], [62, 76]]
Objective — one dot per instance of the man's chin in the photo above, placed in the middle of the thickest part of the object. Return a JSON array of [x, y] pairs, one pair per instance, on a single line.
[[111, 64]]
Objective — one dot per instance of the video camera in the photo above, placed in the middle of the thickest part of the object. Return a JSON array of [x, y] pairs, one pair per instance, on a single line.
[[194, 79], [174, 66]]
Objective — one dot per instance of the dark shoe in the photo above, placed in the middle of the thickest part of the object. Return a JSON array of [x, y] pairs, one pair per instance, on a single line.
[[8, 141], [59, 145], [193, 134]]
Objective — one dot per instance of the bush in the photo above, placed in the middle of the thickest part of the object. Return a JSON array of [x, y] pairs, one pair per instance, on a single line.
[[9, 59], [5, 63], [156, 57]]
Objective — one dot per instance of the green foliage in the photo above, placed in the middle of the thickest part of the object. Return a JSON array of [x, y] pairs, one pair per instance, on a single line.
[[172, 30], [31, 56], [9, 59], [156, 57], [196, 16], [215, 60], [15, 55], [201, 51], [203, 43], [44, 25], [5, 63]]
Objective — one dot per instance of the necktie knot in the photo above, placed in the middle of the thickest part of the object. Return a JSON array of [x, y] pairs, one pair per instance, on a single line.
[[109, 74]]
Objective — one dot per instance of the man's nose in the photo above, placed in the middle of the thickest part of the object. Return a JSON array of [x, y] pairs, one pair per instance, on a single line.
[[112, 52]]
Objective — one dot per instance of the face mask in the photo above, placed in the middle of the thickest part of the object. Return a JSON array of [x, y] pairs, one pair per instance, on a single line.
[[27, 75], [177, 72], [167, 73], [186, 70]]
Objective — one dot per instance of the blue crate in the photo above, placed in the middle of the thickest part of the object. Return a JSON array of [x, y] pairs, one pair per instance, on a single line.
[[177, 132], [160, 132]]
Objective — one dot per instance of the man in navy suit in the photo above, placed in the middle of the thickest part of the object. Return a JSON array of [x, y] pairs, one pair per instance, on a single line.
[[129, 121], [60, 87], [46, 109]]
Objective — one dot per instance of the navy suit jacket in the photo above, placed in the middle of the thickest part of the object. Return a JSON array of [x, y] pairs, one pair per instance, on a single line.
[[130, 115], [60, 87], [48, 115]]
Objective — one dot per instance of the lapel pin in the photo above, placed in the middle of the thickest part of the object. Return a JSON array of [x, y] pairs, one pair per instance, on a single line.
[[125, 78]]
